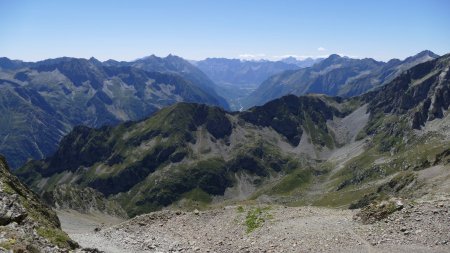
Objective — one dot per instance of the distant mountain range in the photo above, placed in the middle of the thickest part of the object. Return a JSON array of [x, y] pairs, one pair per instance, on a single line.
[[311, 149], [237, 78], [304, 63], [173, 64], [334, 76], [42, 101]]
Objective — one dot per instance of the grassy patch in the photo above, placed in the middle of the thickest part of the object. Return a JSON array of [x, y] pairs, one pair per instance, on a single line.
[[7, 245], [256, 217], [297, 179], [342, 198], [55, 236], [198, 195], [7, 189], [319, 133]]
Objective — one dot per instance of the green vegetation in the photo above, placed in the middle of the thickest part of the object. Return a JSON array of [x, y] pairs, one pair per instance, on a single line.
[[378, 210], [297, 179], [74, 96], [290, 114], [8, 189], [8, 244], [194, 199], [198, 195], [195, 181], [319, 133], [256, 217], [186, 154], [55, 236], [342, 198], [41, 216], [398, 182]]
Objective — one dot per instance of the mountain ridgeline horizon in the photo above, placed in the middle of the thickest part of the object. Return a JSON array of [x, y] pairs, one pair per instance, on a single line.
[[192, 154], [42, 101]]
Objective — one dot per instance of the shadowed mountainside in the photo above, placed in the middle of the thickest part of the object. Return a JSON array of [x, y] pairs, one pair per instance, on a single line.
[[41, 102], [290, 150]]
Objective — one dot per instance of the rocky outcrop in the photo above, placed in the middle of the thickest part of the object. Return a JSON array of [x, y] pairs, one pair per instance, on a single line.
[[379, 210], [290, 115], [334, 76], [423, 92], [10, 210], [26, 224]]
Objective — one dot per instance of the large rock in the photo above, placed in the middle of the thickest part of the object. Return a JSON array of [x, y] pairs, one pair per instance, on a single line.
[[26, 224]]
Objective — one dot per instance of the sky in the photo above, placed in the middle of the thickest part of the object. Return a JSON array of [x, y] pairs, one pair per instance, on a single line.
[[196, 29]]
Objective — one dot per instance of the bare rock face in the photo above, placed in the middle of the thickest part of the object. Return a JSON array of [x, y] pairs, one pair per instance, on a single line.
[[26, 224], [10, 210]]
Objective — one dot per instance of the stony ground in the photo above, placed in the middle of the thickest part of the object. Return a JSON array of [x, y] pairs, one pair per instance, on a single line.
[[420, 227], [426, 223]]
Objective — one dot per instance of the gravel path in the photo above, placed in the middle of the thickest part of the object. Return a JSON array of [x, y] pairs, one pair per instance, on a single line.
[[424, 227]]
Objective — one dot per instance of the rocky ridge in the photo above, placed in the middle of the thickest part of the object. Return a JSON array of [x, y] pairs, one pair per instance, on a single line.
[[26, 224], [335, 76]]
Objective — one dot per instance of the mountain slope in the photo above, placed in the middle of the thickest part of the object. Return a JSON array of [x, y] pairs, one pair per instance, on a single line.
[[191, 150], [176, 65], [42, 102], [335, 76], [293, 150], [26, 224]]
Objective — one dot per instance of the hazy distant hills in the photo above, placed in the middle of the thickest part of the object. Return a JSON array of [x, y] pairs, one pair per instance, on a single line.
[[237, 78], [307, 62], [311, 149], [335, 76], [40, 102]]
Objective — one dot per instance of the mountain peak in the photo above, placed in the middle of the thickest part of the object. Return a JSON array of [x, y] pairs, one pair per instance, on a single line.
[[95, 61], [330, 60], [172, 57], [426, 53], [6, 63], [334, 56]]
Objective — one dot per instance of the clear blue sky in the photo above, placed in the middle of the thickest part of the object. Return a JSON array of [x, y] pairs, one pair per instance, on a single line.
[[125, 30]]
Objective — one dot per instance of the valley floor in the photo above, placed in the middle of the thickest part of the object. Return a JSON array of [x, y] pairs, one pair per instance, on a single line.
[[419, 227]]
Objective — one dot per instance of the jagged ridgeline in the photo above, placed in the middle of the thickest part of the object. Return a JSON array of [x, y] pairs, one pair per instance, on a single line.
[[40, 102], [187, 150], [335, 76], [191, 155]]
